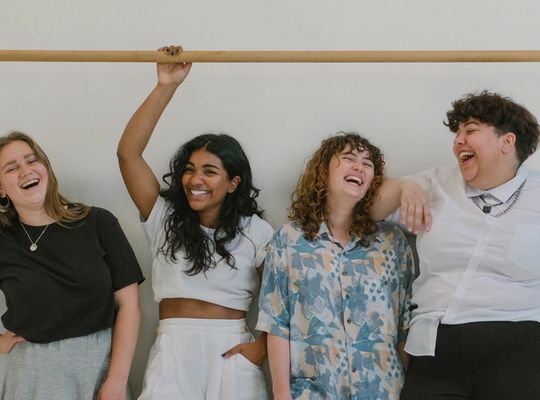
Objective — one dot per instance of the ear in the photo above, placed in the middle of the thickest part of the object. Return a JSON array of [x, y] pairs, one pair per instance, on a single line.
[[233, 184], [508, 142]]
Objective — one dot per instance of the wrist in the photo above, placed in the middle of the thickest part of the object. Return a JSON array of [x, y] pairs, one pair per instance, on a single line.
[[167, 85], [281, 389], [117, 377], [283, 395]]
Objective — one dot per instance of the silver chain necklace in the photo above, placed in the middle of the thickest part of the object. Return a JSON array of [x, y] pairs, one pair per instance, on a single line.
[[512, 204], [486, 208], [33, 244]]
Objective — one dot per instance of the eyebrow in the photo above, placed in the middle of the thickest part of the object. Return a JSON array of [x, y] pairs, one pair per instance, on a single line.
[[204, 165], [359, 153], [14, 162], [469, 123], [8, 164]]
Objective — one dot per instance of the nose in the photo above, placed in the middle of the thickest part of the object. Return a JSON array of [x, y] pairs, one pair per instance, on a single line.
[[358, 166], [459, 138], [196, 177], [24, 169]]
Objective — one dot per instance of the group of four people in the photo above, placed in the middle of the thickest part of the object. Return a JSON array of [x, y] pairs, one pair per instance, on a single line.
[[335, 306]]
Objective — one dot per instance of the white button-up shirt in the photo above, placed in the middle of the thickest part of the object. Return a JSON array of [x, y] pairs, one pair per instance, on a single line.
[[475, 266]]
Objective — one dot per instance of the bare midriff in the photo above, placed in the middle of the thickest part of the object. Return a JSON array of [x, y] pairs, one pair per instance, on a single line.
[[192, 308]]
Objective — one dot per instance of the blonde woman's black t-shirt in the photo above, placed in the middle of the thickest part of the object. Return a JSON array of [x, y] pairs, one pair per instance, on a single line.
[[65, 288]]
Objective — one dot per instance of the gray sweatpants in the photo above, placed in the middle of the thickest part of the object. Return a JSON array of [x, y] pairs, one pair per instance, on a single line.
[[69, 369]]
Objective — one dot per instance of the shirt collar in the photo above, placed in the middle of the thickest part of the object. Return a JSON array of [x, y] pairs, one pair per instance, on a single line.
[[324, 233], [323, 230], [504, 191]]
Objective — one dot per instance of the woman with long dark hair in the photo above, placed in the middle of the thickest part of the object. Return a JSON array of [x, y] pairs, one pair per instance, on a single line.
[[208, 241]]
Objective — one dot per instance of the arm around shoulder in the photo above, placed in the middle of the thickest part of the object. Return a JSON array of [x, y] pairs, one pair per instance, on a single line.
[[411, 199]]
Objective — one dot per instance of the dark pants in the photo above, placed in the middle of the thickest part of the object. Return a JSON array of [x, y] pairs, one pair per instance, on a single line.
[[478, 361]]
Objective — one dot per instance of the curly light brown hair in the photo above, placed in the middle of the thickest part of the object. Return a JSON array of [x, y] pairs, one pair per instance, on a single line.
[[308, 208], [56, 206]]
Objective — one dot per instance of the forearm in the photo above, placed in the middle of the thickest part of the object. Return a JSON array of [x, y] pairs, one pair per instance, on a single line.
[[280, 365], [403, 355], [262, 341], [141, 183], [124, 340], [388, 199]]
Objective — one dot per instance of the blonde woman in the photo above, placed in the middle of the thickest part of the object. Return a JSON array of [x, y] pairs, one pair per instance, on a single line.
[[70, 279]]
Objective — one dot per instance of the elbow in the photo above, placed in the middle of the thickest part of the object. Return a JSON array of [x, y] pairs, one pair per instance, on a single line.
[[124, 157], [120, 154]]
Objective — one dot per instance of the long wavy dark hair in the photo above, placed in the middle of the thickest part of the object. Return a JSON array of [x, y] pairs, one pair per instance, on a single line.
[[182, 226], [309, 207]]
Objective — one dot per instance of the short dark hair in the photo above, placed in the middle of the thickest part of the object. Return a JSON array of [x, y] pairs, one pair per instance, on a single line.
[[500, 112]]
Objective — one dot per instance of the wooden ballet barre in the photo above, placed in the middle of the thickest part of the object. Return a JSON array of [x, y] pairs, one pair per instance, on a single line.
[[401, 56]]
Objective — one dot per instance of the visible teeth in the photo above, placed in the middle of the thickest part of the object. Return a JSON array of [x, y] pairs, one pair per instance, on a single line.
[[30, 183], [355, 179], [465, 155], [198, 192]]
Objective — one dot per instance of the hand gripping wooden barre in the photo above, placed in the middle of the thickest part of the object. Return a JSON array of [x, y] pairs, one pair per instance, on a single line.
[[401, 56]]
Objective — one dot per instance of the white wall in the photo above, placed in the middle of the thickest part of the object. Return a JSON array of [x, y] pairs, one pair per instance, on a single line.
[[279, 112]]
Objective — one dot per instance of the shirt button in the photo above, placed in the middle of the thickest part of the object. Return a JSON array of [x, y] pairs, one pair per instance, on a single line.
[[344, 272], [347, 296], [353, 370], [349, 320]]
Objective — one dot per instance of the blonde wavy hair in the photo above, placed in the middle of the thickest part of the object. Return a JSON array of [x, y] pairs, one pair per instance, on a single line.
[[308, 208], [56, 206]]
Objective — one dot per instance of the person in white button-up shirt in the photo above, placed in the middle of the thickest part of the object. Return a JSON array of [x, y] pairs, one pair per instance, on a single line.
[[475, 332]]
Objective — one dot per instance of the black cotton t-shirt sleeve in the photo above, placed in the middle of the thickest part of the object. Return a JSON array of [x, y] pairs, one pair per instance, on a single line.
[[119, 255]]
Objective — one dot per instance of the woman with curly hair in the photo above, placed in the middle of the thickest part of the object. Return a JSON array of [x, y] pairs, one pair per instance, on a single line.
[[208, 241], [336, 286]]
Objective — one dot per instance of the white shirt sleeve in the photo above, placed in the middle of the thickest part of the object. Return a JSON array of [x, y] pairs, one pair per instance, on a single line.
[[261, 233], [154, 226]]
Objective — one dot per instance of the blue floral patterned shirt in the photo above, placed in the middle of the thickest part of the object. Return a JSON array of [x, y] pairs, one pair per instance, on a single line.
[[343, 310]]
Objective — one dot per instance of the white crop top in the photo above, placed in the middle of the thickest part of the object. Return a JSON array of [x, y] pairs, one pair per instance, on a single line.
[[222, 285]]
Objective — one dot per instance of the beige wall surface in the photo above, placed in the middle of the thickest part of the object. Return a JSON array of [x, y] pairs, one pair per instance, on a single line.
[[279, 112]]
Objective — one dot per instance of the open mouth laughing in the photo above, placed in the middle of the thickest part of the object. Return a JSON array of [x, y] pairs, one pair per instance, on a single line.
[[465, 156], [29, 184], [354, 179]]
